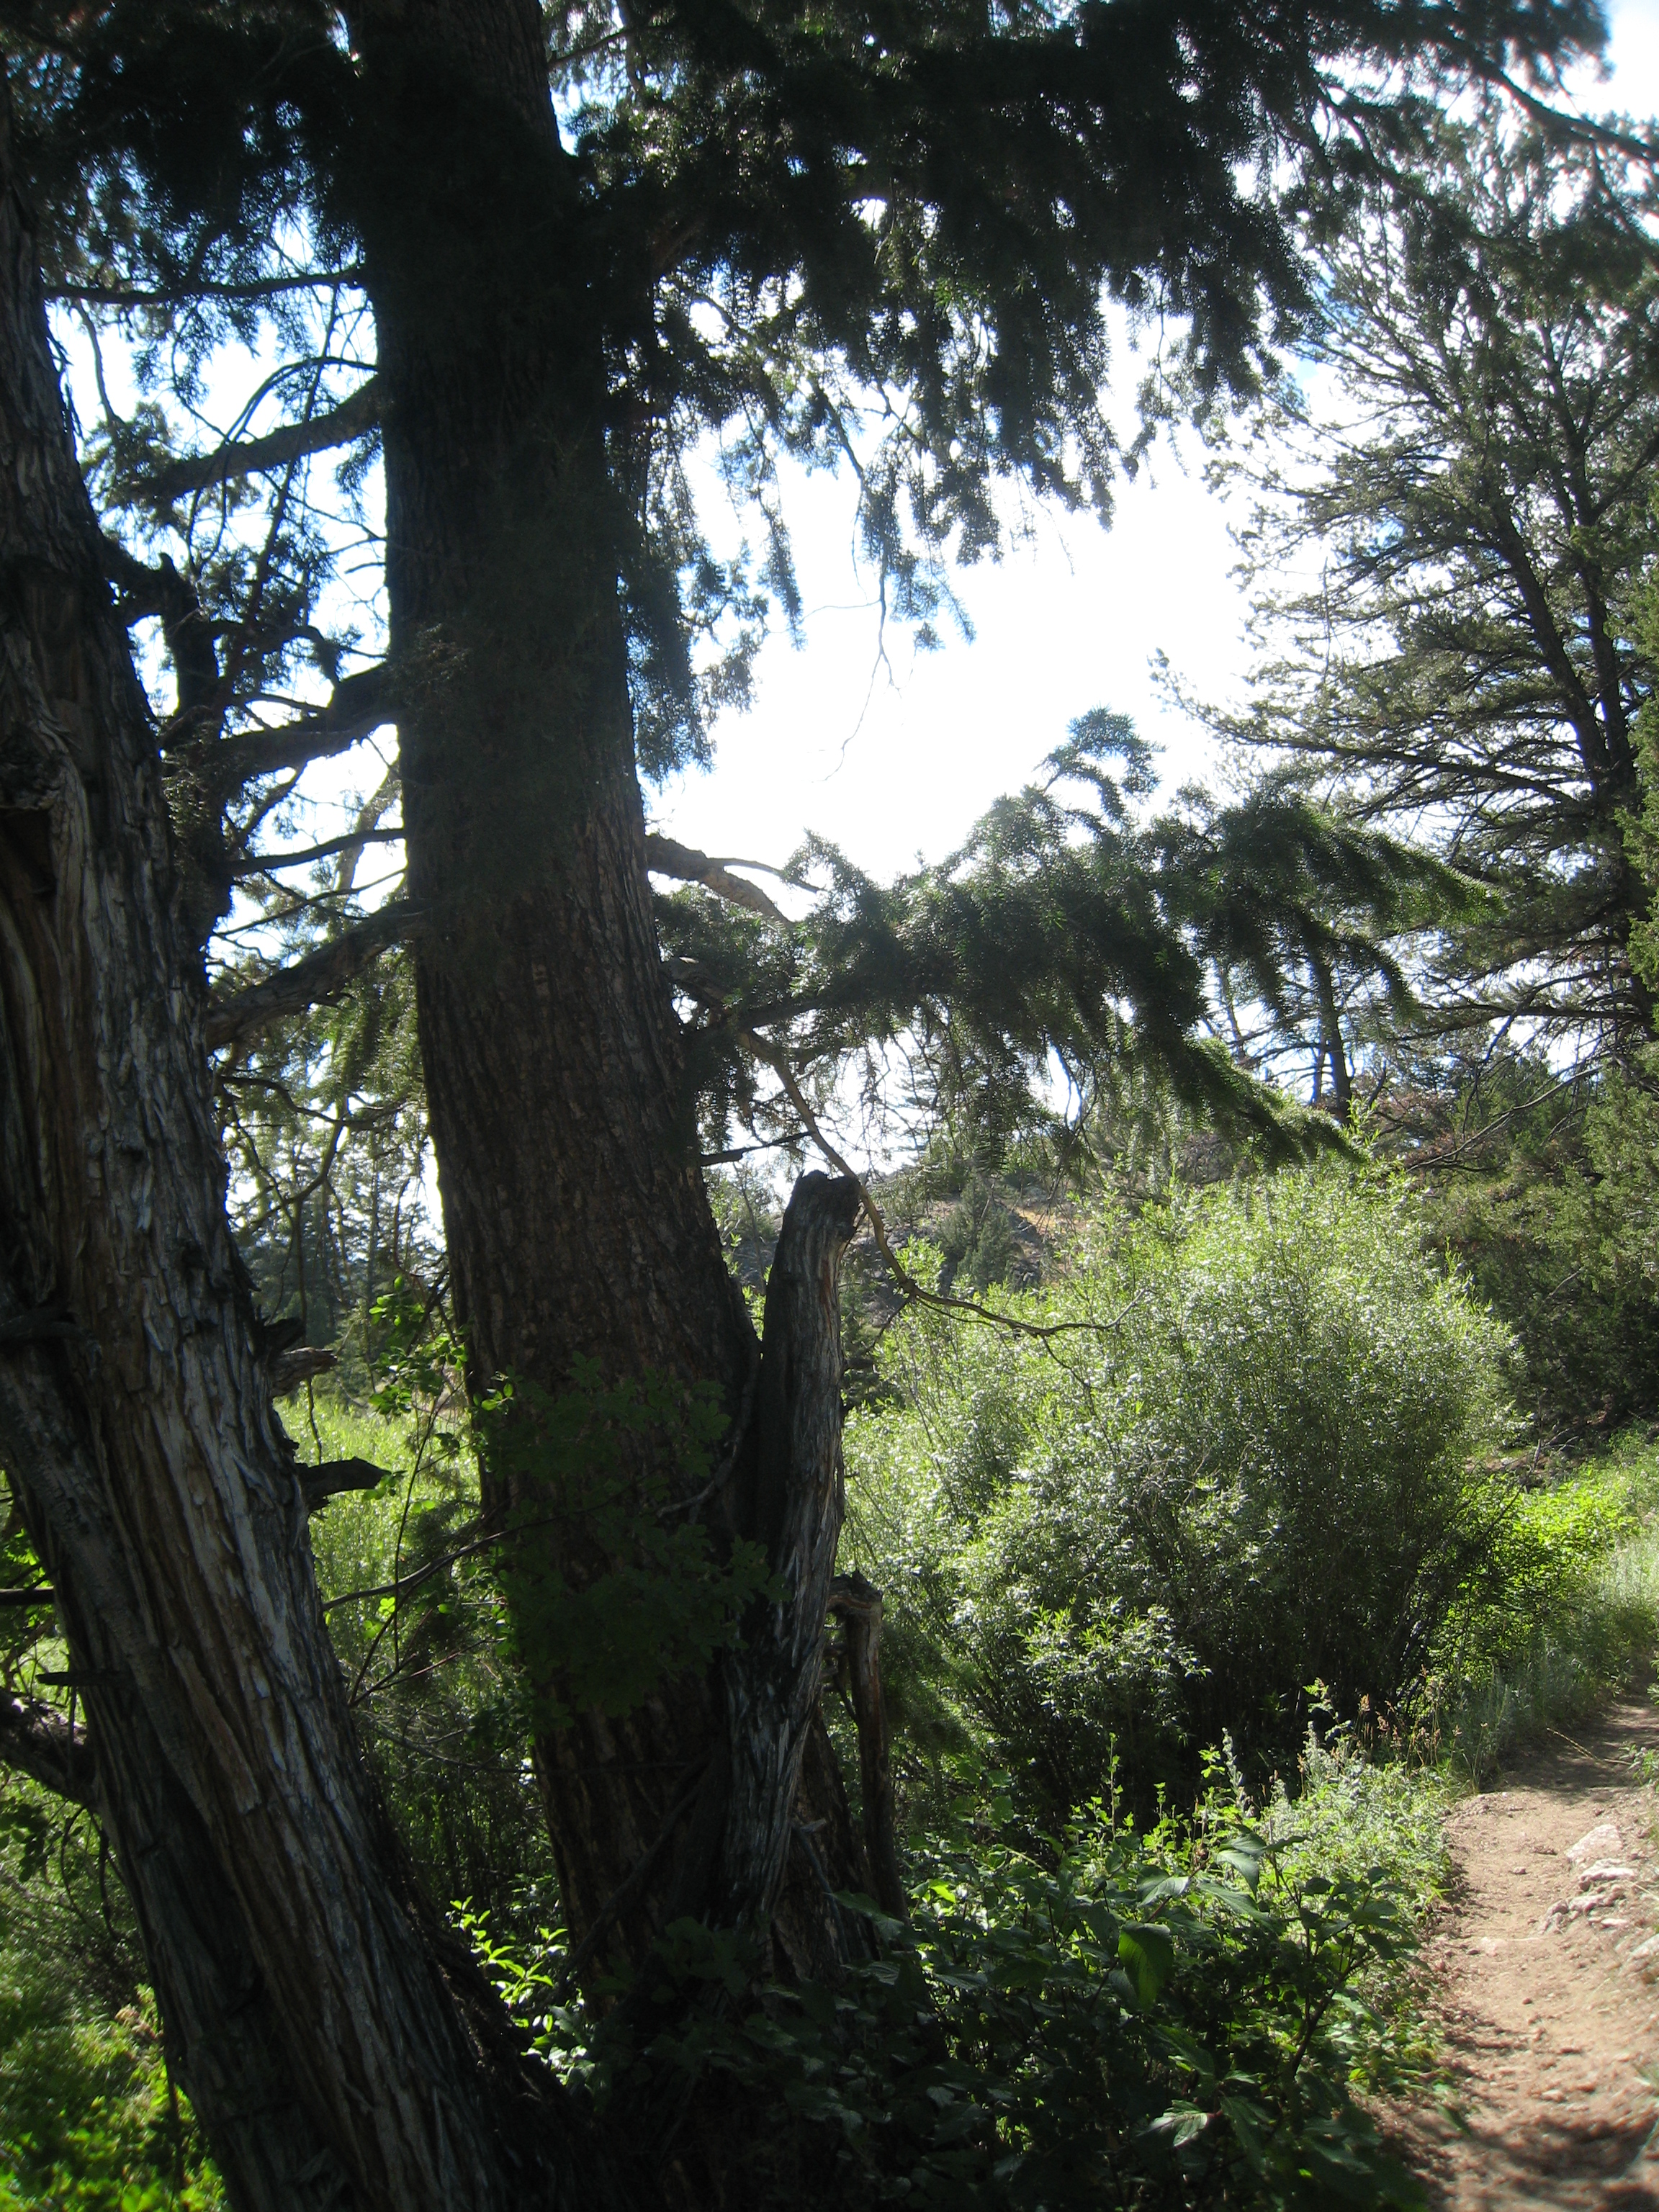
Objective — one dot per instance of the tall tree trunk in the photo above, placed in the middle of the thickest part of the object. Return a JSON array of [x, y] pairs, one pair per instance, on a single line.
[[337, 2051], [576, 1220], [1330, 1041]]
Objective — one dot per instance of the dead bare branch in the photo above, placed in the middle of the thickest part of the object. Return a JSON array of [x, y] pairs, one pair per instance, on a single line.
[[665, 857]]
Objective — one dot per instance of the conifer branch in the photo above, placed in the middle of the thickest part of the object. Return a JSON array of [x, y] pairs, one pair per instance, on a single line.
[[352, 419], [1555, 125], [263, 864], [313, 979], [357, 705], [254, 287]]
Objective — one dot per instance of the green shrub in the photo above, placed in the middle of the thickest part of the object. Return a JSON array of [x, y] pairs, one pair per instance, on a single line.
[[1565, 1610], [1173, 2019], [1261, 1453]]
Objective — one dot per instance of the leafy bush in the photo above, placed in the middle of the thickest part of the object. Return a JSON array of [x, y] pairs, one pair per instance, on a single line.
[[1258, 1453], [1169, 2020], [1564, 1611]]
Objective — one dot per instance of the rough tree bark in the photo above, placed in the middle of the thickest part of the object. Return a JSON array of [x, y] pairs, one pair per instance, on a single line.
[[340, 2046], [338, 2049], [575, 1216]]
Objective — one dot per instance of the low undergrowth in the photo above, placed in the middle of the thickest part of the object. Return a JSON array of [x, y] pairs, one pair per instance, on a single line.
[[1185, 2016], [1567, 1615], [1203, 2010], [88, 2122], [1191, 1992]]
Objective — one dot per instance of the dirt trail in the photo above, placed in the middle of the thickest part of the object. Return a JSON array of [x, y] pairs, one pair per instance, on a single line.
[[1548, 1974]]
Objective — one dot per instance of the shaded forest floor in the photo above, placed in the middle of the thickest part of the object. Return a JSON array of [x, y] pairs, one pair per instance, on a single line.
[[1545, 1974]]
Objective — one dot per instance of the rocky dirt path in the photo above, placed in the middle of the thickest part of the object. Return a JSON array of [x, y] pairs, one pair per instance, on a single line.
[[1546, 1973]]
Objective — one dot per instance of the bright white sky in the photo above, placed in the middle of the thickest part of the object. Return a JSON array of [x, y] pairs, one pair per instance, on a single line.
[[1072, 622]]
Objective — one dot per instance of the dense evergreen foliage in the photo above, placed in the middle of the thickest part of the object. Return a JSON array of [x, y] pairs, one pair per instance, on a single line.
[[884, 238], [1460, 488]]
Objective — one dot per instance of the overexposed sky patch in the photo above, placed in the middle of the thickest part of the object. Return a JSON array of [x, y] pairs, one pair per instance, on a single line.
[[891, 762]]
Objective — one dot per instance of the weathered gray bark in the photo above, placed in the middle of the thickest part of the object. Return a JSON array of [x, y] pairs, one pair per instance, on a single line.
[[794, 1506], [336, 2051], [1330, 1042]]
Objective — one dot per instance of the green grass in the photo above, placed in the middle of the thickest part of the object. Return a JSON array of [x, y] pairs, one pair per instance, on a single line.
[[87, 2120], [1577, 1622], [435, 1692], [354, 1538]]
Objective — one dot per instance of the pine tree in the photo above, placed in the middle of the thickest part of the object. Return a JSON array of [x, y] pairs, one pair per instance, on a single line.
[[1467, 666]]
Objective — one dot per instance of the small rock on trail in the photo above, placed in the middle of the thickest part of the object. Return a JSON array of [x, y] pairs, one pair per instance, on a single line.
[[1545, 1975]]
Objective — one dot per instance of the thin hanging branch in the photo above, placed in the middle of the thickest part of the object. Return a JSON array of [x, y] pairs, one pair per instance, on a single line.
[[907, 1282]]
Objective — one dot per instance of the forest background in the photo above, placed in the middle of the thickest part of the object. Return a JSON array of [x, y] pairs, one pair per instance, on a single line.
[[1109, 1576]]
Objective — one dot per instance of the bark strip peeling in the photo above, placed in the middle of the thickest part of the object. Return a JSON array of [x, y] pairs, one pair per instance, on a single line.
[[665, 856], [38, 1740]]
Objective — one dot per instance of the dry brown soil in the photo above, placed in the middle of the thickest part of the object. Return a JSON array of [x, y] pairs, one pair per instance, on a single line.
[[1548, 1993]]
